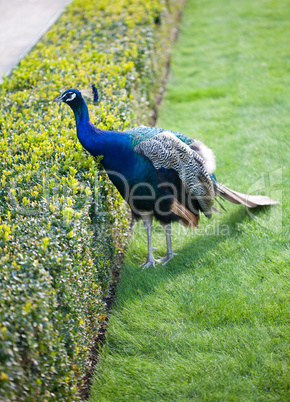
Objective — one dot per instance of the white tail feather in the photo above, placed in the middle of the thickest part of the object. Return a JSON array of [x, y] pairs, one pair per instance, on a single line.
[[250, 201], [207, 154], [88, 93]]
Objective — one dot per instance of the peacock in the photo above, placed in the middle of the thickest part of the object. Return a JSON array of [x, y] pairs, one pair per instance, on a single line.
[[160, 173]]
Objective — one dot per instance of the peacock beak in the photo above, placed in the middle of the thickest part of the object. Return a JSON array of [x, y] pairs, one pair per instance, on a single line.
[[58, 99]]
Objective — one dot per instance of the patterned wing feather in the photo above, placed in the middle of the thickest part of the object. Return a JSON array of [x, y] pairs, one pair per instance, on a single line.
[[166, 150]]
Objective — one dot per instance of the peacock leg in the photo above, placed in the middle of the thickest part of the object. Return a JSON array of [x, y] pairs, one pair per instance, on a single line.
[[147, 220], [170, 253]]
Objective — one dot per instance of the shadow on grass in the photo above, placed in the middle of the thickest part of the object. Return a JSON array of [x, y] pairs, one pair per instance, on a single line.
[[193, 253]]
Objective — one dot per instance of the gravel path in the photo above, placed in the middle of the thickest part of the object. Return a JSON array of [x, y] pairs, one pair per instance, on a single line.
[[22, 24]]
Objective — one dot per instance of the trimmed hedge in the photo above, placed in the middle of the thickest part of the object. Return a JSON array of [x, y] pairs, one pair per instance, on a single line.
[[62, 225]]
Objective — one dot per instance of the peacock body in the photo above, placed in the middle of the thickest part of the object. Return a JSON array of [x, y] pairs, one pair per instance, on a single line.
[[160, 173]]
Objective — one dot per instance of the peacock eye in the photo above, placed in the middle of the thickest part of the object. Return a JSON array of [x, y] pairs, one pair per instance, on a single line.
[[70, 97]]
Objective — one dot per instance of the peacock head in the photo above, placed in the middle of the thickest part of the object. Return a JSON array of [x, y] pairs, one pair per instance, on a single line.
[[70, 96], [73, 97]]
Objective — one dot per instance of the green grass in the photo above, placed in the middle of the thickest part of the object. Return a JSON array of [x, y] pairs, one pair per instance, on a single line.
[[213, 324]]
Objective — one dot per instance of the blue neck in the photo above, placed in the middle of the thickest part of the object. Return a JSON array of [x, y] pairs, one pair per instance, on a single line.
[[115, 147], [81, 111], [83, 125]]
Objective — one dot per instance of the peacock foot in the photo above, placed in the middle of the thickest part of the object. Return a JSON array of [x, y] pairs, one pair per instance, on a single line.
[[169, 257], [150, 262]]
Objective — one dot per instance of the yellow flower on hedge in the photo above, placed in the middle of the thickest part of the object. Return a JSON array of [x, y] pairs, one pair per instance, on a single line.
[[3, 376]]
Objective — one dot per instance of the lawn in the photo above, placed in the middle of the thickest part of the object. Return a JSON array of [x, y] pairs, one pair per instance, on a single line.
[[213, 324]]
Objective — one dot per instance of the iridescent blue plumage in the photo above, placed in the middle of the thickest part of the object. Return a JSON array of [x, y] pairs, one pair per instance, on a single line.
[[143, 133], [159, 173]]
